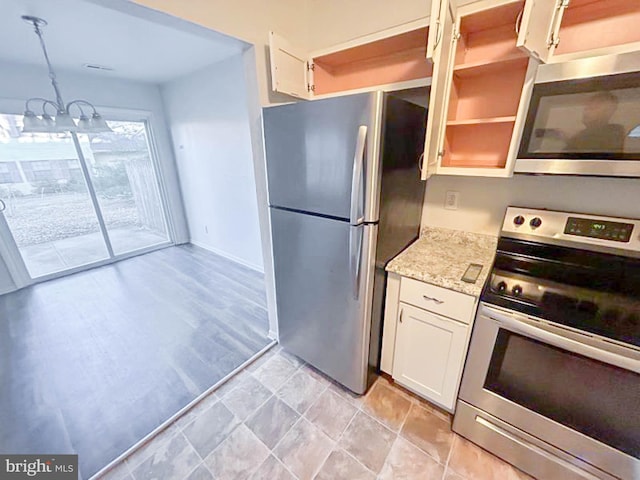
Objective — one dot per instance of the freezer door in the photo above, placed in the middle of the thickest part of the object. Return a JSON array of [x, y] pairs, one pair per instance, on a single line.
[[320, 153], [324, 283]]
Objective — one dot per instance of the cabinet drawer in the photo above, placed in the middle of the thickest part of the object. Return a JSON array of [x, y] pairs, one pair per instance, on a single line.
[[437, 299]]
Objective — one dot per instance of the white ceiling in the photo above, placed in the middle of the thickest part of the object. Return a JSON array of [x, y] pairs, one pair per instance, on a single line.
[[138, 43]]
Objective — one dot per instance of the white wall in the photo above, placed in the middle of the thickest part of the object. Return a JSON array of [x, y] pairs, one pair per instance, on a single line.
[[19, 82], [248, 20], [209, 123], [483, 201], [332, 22]]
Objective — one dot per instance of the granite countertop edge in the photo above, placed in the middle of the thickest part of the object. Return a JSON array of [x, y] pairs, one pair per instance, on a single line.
[[441, 256]]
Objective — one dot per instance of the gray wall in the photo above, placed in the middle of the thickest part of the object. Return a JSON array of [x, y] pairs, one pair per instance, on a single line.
[[19, 82], [209, 123]]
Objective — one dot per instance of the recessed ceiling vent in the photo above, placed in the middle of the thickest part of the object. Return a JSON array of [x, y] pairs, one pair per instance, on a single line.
[[95, 66]]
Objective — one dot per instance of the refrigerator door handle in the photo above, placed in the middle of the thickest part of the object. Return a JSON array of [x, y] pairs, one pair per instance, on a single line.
[[356, 237], [356, 215]]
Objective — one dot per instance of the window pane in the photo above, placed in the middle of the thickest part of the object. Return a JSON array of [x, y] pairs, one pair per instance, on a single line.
[[125, 182], [49, 210]]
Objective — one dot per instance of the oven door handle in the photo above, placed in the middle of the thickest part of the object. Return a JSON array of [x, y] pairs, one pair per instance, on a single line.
[[536, 332]]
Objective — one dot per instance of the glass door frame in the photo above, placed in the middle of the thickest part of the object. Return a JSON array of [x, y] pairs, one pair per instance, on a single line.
[[9, 250]]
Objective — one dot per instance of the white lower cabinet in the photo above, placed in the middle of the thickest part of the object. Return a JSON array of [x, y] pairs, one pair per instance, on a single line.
[[429, 354]]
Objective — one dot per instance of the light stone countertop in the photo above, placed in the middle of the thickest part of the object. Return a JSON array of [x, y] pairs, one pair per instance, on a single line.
[[441, 256]]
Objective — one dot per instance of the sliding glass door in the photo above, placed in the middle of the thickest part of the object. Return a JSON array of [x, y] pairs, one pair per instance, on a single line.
[[123, 175], [73, 201]]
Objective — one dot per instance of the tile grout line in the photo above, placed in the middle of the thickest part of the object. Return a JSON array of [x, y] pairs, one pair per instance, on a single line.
[[196, 452], [273, 450], [283, 465], [446, 466], [303, 414], [337, 443]]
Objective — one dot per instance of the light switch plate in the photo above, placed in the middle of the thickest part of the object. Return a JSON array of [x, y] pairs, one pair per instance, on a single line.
[[451, 200]]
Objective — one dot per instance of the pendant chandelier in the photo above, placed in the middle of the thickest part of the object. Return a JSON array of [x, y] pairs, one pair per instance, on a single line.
[[58, 119]]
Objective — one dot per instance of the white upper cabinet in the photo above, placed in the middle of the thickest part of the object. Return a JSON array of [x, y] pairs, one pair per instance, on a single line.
[[538, 28], [562, 30], [481, 88], [440, 52], [392, 59], [290, 69]]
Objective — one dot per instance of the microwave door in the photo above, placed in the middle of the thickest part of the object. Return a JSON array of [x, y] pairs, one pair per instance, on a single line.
[[580, 125]]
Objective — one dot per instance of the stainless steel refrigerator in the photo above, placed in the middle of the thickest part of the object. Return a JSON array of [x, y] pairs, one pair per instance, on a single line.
[[345, 197]]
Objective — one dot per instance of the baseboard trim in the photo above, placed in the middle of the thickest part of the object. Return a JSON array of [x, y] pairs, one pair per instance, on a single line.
[[227, 255], [10, 290]]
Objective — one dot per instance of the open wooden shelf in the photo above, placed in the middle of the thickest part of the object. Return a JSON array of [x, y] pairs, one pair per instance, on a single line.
[[488, 76], [483, 145], [589, 25], [489, 36], [391, 60], [494, 93], [488, 66], [502, 16], [480, 121]]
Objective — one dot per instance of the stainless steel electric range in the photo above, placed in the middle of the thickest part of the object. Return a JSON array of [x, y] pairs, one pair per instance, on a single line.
[[552, 379]]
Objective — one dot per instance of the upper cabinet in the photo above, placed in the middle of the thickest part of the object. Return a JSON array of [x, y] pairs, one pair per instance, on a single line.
[[484, 87], [388, 58], [562, 30]]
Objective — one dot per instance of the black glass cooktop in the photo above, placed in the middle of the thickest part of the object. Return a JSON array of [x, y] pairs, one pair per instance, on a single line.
[[594, 292]]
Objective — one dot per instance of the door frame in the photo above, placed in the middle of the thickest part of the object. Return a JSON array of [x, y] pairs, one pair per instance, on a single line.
[[9, 250]]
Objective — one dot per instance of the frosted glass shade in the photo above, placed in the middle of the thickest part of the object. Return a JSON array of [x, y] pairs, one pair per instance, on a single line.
[[48, 122], [99, 124], [84, 124], [64, 123], [32, 124]]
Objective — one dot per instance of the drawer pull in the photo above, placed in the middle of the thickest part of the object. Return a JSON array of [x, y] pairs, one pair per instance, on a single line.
[[433, 299]]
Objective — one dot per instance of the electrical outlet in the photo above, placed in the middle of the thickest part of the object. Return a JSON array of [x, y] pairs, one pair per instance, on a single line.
[[451, 200]]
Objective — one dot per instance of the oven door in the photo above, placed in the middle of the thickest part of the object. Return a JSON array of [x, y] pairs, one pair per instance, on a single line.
[[576, 392]]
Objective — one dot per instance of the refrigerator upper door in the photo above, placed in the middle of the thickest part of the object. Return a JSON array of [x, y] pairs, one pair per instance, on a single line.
[[324, 284], [320, 154]]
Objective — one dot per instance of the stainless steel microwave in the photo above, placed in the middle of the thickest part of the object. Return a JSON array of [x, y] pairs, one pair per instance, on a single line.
[[584, 118]]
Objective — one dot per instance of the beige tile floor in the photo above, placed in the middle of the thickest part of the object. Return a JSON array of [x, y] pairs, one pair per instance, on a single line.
[[281, 420]]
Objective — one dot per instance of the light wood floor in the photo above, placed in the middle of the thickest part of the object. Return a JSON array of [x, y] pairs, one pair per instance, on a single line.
[[93, 362]]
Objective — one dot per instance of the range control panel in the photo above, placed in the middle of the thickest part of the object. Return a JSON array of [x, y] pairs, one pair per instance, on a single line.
[[602, 229], [583, 230]]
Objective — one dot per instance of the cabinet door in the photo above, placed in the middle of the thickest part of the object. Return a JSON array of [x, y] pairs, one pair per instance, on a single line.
[[290, 72], [440, 50], [429, 354], [538, 31]]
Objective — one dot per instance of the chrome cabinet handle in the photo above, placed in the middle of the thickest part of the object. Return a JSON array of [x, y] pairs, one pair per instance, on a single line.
[[519, 22], [401, 312], [433, 299], [438, 35]]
